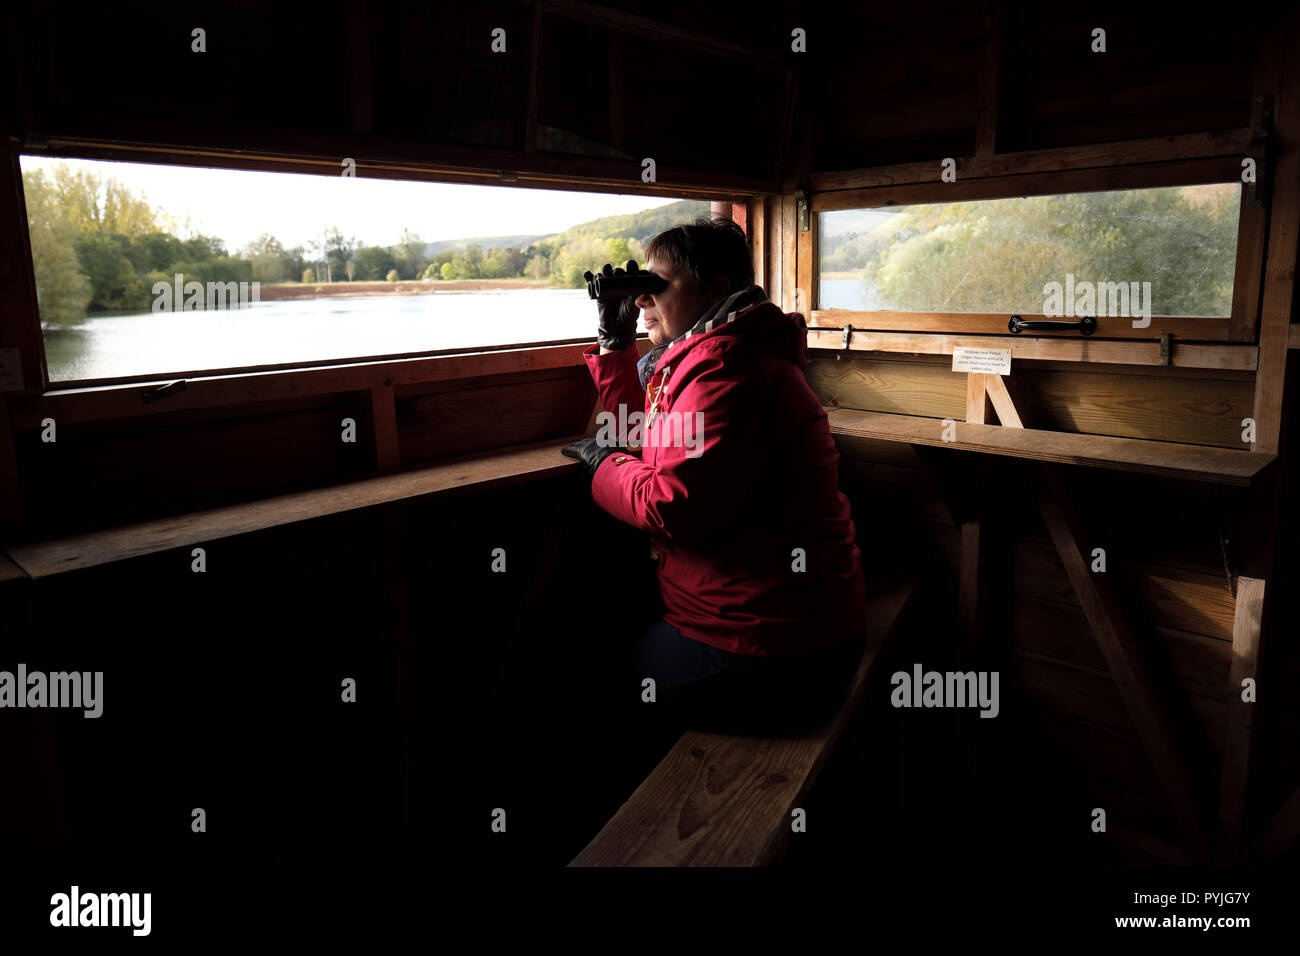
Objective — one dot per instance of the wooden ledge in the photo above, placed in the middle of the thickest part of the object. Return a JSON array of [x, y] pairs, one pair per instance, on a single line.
[[1167, 459], [505, 467]]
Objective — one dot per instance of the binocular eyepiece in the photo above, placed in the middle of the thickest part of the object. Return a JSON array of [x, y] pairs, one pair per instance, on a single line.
[[604, 288]]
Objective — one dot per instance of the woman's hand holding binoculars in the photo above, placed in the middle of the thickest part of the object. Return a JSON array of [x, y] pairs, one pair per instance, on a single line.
[[617, 329]]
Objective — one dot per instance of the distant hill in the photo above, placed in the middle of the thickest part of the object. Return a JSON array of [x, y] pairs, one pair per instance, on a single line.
[[485, 243], [642, 226]]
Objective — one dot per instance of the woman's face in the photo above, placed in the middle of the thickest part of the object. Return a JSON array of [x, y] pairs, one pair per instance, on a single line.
[[673, 311]]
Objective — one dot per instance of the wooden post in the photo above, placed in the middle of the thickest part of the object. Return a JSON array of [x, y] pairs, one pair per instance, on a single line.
[[1240, 719]]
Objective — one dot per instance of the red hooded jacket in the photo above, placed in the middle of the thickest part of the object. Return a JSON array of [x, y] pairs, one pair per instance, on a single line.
[[726, 506]]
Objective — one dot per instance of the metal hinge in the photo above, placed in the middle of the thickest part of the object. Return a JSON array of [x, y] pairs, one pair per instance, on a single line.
[[802, 204], [1166, 347]]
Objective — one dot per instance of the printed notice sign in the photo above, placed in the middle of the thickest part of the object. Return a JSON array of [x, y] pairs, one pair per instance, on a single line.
[[11, 370], [987, 361]]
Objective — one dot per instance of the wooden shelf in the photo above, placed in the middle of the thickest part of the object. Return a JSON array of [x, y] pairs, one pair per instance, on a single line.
[[509, 466], [1167, 459]]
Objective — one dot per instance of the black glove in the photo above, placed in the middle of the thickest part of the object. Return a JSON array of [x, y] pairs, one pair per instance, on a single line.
[[590, 452], [618, 317]]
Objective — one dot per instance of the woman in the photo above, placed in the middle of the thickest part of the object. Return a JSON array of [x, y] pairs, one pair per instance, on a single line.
[[736, 482]]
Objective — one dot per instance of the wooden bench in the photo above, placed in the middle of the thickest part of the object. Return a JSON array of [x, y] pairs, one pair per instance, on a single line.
[[725, 799], [489, 470]]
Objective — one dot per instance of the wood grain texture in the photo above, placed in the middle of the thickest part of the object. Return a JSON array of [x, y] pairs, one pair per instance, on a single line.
[[1059, 349], [1194, 462], [1109, 328], [978, 407], [1240, 719], [1230, 142], [1002, 403], [509, 466], [725, 799], [1162, 736]]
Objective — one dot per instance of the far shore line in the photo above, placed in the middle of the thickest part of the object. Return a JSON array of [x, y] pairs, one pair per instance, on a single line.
[[279, 291]]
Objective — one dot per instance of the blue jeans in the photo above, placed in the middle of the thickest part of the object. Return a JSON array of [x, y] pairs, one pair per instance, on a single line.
[[705, 688]]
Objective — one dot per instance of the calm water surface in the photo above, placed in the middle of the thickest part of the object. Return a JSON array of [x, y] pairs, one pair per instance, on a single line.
[[272, 333]]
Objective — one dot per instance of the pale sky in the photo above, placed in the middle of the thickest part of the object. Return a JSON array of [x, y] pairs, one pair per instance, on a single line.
[[239, 205]]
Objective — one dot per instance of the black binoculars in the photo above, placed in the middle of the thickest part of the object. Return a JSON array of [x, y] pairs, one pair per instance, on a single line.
[[604, 288]]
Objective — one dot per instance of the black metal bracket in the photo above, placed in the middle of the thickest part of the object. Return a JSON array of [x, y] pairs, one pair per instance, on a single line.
[[162, 391], [1261, 150], [1166, 347], [1087, 325], [848, 334]]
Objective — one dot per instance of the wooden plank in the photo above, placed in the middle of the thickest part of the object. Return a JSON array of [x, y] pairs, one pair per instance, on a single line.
[[534, 56], [1190, 172], [11, 508], [1061, 632], [1293, 337], [20, 323], [1240, 357], [806, 270], [725, 799], [1123, 656], [506, 467], [978, 406], [758, 239], [1002, 403], [1283, 230], [1252, 227], [625, 22], [383, 425], [427, 162], [1240, 724], [96, 403], [1230, 142], [1196, 462], [995, 323], [789, 253], [1175, 405], [986, 123], [1283, 830]]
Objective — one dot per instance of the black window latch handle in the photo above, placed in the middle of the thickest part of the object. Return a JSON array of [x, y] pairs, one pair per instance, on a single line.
[[1087, 325]]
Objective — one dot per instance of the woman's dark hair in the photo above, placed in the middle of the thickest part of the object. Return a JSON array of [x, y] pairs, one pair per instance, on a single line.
[[706, 248]]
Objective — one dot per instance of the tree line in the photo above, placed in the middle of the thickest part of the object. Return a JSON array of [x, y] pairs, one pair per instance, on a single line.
[[96, 247]]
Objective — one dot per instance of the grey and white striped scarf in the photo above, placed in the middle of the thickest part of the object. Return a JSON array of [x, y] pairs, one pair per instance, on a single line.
[[718, 314]]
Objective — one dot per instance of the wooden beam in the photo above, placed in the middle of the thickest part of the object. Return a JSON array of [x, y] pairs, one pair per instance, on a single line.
[[361, 88], [1123, 657], [806, 269], [123, 400], [1282, 47], [11, 508], [1240, 720], [479, 472], [1206, 328], [319, 154], [1236, 357], [759, 226], [1185, 173], [789, 253], [1002, 403], [1293, 337], [1194, 462], [534, 55], [1283, 830], [986, 123], [20, 321], [623, 21], [383, 426], [978, 406], [1232, 142]]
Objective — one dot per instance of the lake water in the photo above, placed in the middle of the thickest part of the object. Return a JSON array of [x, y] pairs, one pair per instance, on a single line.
[[310, 330]]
